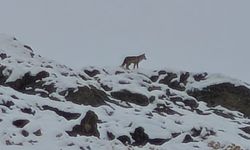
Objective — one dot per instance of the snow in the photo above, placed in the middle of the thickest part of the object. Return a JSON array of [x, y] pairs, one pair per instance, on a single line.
[[114, 118]]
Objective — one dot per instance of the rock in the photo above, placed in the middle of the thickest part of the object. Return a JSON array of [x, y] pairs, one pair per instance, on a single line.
[[124, 139], [246, 129], [153, 88], [28, 111], [174, 135], [92, 73], [25, 133], [66, 115], [3, 78], [136, 98], [184, 76], [187, 139], [3, 56], [87, 127], [110, 135], [20, 123], [196, 132], [7, 103], [161, 108], [154, 78], [28, 81], [119, 72], [157, 141], [140, 137], [225, 94], [168, 78], [161, 72], [176, 85], [223, 114], [87, 96], [106, 87], [191, 103], [28, 47], [38, 132], [200, 76]]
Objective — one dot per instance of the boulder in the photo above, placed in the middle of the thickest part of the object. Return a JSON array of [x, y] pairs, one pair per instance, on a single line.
[[124, 139], [20, 123], [140, 137], [225, 94], [188, 138], [136, 98], [87, 96], [87, 127]]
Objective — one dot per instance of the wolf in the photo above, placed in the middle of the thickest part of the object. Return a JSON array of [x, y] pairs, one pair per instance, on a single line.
[[133, 59]]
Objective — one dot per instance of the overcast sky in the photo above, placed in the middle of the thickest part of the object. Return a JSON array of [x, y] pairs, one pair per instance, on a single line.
[[192, 35]]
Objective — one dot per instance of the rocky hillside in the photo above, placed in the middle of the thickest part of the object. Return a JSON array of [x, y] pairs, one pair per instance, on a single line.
[[46, 105]]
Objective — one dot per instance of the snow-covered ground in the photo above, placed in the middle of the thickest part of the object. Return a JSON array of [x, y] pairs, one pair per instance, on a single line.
[[162, 118]]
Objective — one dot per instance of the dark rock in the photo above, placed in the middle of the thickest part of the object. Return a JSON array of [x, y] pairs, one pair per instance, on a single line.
[[168, 78], [244, 136], [2, 77], [174, 135], [87, 96], [200, 112], [110, 135], [28, 47], [161, 108], [157, 141], [123, 82], [28, 81], [140, 137], [25, 133], [7, 103], [28, 111], [106, 87], [176, 99], [187, 139], [124, 139], [184, 77], [176, 85], [153, 88], [161, 72], [154, 78], [246, 129], [162, 97], [191, 103], [208, 132], [200, 76], [151, 99], [196, 132], [87, 127], [92, 73], [38, 133], [20, 123], [225, 94], [136, 98], [66, 115], [3, 56], [119, 72], [223, 114]]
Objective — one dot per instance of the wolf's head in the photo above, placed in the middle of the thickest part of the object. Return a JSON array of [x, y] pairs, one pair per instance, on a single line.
[[143, 56]]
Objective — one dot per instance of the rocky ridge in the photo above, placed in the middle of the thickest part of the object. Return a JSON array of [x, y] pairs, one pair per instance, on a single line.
[[111, 108]]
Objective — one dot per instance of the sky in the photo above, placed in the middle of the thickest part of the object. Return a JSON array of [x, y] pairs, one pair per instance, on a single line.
[[192, 35]]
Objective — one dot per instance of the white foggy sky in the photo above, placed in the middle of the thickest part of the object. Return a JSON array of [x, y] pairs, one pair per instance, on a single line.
[[192, 35]]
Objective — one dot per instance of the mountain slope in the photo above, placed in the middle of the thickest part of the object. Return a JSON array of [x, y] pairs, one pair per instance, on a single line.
[[44, 104]]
